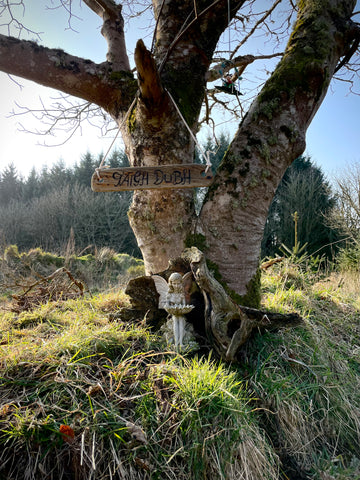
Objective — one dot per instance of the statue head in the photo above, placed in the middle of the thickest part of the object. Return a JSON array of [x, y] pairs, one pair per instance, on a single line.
[[176, 283]]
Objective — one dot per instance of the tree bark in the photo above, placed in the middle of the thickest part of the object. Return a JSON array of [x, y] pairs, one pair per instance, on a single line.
[[75, 76]]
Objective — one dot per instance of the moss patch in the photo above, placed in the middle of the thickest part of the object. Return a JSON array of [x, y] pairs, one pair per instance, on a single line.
[[196, 240], [214, 269], [253, 296], [302, 69], [131, 121]]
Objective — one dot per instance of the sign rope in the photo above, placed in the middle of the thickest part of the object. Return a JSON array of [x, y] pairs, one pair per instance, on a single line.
[[206, 155], [161, 176], [97, 170]]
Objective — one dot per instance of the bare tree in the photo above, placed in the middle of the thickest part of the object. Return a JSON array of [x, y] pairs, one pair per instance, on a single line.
[[346, 215], [188, 47]]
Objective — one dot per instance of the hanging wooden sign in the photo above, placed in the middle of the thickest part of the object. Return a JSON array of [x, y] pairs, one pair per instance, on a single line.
[[142, 178]]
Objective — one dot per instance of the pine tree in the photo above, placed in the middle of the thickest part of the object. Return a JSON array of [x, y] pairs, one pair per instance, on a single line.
[[304, 190], [10, 185], [84, 170], [32, 186]]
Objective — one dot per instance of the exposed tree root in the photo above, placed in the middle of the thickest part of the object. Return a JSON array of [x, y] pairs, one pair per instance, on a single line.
[[228, 325]]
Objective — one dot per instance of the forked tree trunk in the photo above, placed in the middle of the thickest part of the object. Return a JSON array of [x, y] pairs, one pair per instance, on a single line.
[[270, 137]]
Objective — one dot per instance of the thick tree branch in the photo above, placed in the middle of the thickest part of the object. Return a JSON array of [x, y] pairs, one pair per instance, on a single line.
[[186, 46], [72, 75], [270, 137], [103, 6], [185, 28], [113, 32]]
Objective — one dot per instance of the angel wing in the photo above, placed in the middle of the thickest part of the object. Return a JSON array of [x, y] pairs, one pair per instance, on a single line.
[[187, 282], [187, 278], [162, 288]]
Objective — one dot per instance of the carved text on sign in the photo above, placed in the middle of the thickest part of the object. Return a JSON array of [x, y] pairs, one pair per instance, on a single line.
[[140, 179], [131, 179], [167, 176]]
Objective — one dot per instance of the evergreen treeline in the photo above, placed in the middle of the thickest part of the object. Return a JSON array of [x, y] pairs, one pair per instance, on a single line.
[[49, 208], [303, 197], [56, 207]]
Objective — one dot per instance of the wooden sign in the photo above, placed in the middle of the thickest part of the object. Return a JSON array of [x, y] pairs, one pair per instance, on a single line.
[[142, 178]]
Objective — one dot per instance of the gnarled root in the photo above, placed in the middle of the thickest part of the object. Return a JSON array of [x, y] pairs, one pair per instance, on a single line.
[[228, 326]]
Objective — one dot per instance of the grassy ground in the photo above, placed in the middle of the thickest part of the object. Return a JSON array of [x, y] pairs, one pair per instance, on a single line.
[[83, 396]]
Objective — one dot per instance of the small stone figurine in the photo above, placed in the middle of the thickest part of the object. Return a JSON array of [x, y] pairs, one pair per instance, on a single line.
[[172, 299]]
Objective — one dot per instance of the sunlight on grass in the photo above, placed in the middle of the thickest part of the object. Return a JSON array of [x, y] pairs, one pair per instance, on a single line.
[[289, 409], [313, 372]]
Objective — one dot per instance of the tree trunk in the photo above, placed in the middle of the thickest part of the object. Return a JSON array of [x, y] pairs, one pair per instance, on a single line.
[[155, 135], [228, 326], [270, 137]]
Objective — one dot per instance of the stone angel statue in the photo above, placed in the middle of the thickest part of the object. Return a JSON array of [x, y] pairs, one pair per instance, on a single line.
[[172, 299]]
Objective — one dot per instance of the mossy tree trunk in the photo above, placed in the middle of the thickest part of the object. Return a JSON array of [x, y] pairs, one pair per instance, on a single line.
[[156, 134], [269, 138]]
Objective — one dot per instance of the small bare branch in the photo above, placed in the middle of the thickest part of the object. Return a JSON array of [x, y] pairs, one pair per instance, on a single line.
[[255, 27], [54, 287], [67, 116], [353, 48], [10, 12], [239, 62], [67, 5]]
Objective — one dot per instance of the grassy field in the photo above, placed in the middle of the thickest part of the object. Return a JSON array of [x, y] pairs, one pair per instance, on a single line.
[[85, 395]]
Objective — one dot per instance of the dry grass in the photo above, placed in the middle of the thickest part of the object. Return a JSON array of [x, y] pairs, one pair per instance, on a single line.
[[133, 411], [310, 376]]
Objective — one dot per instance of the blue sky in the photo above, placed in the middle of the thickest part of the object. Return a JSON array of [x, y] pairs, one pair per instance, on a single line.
[[332, 139]]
